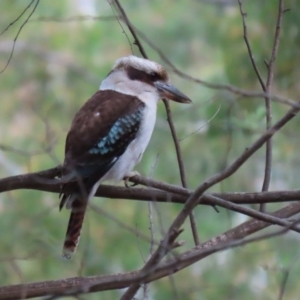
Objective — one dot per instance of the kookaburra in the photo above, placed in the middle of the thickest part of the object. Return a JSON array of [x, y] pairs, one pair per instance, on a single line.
[[110, 133]]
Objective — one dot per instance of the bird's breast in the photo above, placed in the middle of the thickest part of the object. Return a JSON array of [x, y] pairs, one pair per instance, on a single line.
[[136, 148]]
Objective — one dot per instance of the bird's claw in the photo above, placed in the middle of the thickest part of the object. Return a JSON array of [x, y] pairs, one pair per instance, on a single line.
[[127, 178], [128, 185]]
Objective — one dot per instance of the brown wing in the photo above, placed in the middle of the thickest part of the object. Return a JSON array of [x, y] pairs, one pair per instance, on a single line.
[[102, 130]]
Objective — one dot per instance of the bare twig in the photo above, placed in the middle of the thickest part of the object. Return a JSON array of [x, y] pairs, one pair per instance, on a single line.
[[181, 168], [18, 18], [11, 149], [193, 200], [253, 213], [131, 29], [271, 66], [226, 87], [285, 277], [266, 88], [169, 118], [19, 31], [268, 161], [271, 63], [78, 285], [286, 273], [79, 18], [123, 225], [255, 67], [155, 268], [51, 57], [160, 252], [151, 229], [201, 127]]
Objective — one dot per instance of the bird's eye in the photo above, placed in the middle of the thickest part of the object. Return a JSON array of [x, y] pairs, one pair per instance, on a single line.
[[154, 76]]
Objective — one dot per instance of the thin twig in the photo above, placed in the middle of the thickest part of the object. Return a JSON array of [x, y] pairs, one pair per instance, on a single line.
[[163, 247], [18, 33], [169, 118], [193, 200], [226, 87], [201, 127], [255, 67], [285, 277], [123, 225], [90, 284], [151, 229], [79, 18], [271, 66], [131, 29], [181, 168], [158, 253], [286, 273], [268, 161], [254, 214], [18, 18], [266, 88], [271, 63]]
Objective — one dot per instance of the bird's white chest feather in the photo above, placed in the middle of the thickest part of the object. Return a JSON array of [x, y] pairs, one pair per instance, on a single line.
[[136, 148]]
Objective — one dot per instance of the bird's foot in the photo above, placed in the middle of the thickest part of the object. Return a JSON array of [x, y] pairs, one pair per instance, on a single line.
[[127, 178]]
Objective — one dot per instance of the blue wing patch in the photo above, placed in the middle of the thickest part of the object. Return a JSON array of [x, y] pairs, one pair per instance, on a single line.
[[122, 132]]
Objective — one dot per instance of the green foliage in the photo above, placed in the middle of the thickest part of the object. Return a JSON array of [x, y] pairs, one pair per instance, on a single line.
[[57, 65]]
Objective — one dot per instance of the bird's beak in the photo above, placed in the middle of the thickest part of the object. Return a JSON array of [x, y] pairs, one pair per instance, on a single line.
[[169, 91]]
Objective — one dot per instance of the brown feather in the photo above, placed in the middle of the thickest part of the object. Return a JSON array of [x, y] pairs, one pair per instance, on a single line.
[[74, 228], [91, 124], [95, 119]]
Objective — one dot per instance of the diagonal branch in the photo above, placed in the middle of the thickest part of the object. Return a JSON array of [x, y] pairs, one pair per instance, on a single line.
[[193, 200], [19, 31], [255, 67], [169, 118], [226, 87], [266, 87], [75, 285], [131, 29]]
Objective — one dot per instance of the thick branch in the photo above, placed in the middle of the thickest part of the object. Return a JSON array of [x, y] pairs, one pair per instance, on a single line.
[[193, 200], [169, 117], [118, 281], [157, 191]]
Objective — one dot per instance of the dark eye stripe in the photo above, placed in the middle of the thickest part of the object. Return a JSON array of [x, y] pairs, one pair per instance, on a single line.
[[135, 74]]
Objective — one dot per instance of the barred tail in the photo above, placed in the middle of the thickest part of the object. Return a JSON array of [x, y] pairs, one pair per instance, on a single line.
[[74, 228]]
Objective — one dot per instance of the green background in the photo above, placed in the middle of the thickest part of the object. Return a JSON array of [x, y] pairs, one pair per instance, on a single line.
[[59, 62]]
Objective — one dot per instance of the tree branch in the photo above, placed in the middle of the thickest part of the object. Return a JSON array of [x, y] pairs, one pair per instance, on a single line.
[[181, 168], [226, 87], [266, 88], [271, 66], [169, 117], [131, 29], [193, 200], [75, 285]]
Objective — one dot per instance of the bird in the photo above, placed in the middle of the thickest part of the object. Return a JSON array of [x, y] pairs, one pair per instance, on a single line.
[[110, 133]]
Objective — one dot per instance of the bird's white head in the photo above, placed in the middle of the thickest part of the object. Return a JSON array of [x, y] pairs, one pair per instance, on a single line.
[[143, 78]]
